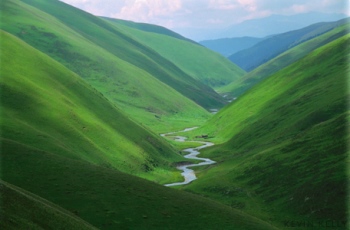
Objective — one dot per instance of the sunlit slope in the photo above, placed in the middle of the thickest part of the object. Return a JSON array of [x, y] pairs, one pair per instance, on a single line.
[[197, 61], [150, 28], [238, 87], [134, 88], [46, 106], [23, 210], [99, 32], [284, 142]]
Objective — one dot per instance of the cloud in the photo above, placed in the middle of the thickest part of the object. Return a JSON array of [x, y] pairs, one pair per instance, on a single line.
[[222, 4], [149, 10], [203, 13]]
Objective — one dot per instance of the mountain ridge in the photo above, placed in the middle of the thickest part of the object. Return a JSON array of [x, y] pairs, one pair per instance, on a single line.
[[269, 48]]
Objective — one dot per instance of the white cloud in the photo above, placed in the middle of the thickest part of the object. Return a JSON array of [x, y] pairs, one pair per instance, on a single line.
[[149, 10], [203, 13], [222, 4]]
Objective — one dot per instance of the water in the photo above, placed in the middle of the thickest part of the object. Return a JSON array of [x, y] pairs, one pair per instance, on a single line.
[[188, 173]]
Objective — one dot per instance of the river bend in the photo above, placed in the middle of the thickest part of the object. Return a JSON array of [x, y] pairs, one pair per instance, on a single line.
[[188, 173]]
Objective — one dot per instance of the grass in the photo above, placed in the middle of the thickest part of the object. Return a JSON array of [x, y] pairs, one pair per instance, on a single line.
[[149, 28], [126, 72], [66, 143], [283, 151], [52, 109], [23, 210], [109, 199], [198, 62], [237, 88]]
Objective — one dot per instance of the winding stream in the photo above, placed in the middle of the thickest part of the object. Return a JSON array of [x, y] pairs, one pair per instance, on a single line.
[[188, 173]]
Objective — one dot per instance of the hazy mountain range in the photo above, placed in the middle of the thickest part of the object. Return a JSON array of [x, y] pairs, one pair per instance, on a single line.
[[261, 27]]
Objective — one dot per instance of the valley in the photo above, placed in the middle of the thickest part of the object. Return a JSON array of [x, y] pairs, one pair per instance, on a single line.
[[189, 174], [95, 116]]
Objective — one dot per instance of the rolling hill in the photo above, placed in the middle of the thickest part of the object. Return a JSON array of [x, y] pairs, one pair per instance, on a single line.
[[198, 62], [128, 73], [283, 152], [149, 28], [52, 109], [238, 87], [63, 147], [267, 49]]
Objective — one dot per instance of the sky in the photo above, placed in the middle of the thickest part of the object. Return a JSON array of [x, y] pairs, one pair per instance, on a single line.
[[177, 14]]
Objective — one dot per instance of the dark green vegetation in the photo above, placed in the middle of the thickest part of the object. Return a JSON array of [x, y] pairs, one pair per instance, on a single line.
[[64, 142], [127, 72], [267, 49], [23, 210], [198, 62], [238, 87], [109, 199], [284, 151], [229, 46]]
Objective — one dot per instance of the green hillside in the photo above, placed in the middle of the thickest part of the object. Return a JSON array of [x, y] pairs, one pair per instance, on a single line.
[[251, 58], [46, 106], [62, 141], [149, 28], [238, 87], [108, 199], [23, 210], [284, 151], [198, 62], [128, 73]]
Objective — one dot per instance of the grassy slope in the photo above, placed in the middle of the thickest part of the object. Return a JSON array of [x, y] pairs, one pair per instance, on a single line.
[[284, 151], [109, 199], [198, 62], [237, 88], [52, 109], [110, 38], [23, 210], [62, 141], [150, 28], [269, 48], [131, 87]]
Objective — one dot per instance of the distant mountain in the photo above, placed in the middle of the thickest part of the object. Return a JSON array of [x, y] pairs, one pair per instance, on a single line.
[[237, 88], [229, 46], [267, 49], [276, 24], [261, 27]]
